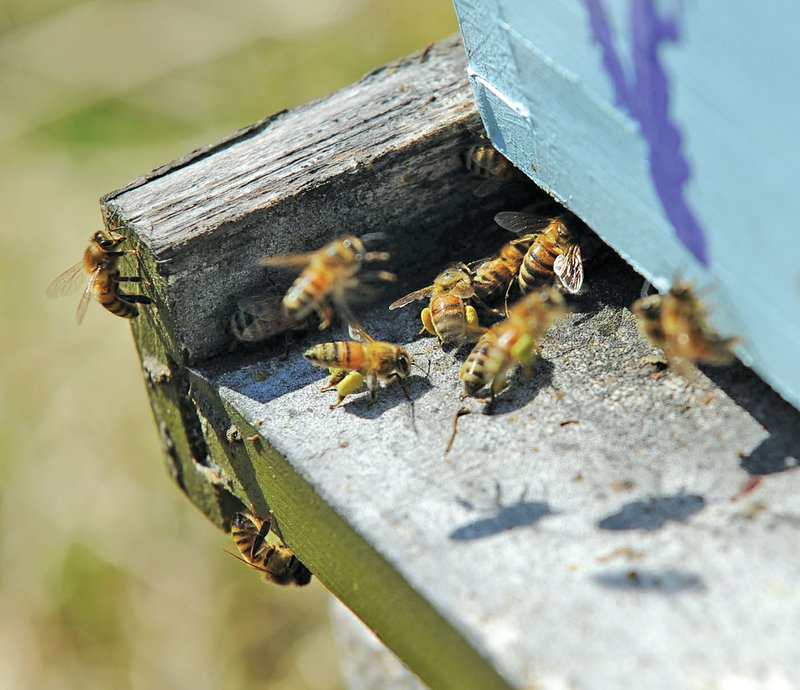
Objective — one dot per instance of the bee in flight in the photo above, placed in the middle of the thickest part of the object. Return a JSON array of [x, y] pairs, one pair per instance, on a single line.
[[511, 341], [327, 276], [276, 561], [261, 317], [352, 362], [447, 315], [676, 323], [100, 261], [555, 252]]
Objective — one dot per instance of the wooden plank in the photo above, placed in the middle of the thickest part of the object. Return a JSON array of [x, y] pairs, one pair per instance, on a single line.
[[648, 120], [298, 179], [583, 535]]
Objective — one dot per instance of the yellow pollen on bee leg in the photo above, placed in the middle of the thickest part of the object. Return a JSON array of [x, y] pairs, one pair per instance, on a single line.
[[472, 315], [349, 384], [522, 350], [427, 322]]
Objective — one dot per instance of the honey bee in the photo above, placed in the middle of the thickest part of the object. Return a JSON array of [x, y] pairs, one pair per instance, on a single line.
[[351, 362], [511, 341], [327, 276], [276, 561], [496, 275], [676, 323], [100, 260], [259, 318], [447, 315], [484, 160], [555, 252]]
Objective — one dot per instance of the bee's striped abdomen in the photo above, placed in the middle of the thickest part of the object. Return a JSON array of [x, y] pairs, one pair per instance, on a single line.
[[449, 317], [347, 354], [537, 268], [311, 287]]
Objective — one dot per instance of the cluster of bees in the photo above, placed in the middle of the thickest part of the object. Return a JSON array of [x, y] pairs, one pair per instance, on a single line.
[[543, 261]]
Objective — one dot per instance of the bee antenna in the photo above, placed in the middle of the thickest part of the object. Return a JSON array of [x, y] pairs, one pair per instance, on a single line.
[[645, 291], [427, 373], [246, 562]]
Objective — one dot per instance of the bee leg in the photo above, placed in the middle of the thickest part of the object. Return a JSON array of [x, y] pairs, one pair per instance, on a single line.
[[134, 299], [427, 323], [349, 384], [325, 312], [505, 299], [471, 315], [372, 387], [337, 376]]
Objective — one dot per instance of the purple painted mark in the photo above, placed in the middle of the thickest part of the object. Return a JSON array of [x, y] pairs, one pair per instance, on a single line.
[[647, 101]]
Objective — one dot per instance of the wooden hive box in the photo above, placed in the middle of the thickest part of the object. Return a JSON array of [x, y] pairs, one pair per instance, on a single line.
[[583, 535]]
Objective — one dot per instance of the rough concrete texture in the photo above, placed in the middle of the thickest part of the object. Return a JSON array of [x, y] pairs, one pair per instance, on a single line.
[[603, 527]]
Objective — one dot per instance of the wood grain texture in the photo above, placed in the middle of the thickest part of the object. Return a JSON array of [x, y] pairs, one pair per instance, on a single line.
[[385, 154]]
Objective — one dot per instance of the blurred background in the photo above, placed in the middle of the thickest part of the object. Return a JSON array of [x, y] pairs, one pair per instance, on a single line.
[[109, 578]]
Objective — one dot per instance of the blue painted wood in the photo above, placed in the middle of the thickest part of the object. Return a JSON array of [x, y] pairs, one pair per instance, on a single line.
[[669, 127]]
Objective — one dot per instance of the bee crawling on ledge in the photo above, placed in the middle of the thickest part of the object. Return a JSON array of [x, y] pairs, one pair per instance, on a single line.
[[100, 261], [676, 323], [553, 256], [448, 316], [511, 341], [328, 275], [276, 561], [352, 362]]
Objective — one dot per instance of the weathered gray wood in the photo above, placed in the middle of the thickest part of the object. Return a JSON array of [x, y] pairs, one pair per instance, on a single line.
[[385, 154], [582, 536]]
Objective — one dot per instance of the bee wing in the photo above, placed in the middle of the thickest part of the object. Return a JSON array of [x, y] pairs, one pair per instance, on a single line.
[[357, 332], [411, 296], [568, 266], [297, 260], [66, 282], [521, 223], [85, 297], [264, 307]]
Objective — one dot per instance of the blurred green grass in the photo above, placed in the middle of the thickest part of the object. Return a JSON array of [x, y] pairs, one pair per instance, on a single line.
[[108, 576]]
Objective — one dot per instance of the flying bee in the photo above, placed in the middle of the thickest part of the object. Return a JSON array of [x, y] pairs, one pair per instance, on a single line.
[[447, 315], [352, 362], [261, 317], [555, 252], [328, 275], [276, 561], [511, 341], [100, 261], [676, 323]]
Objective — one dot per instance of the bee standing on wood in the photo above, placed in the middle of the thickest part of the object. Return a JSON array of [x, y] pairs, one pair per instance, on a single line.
[[676, 323], [555, 252], [511, 341], [447, 315], [328, 275], [351, 362], [100, 261], [277, 562]]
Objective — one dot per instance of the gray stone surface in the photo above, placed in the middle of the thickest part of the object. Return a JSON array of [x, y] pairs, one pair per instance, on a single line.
[[591, 530]]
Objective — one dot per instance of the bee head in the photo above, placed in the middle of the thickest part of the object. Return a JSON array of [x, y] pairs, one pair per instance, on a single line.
[[682, 289], [107, 240], [403, 364]]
